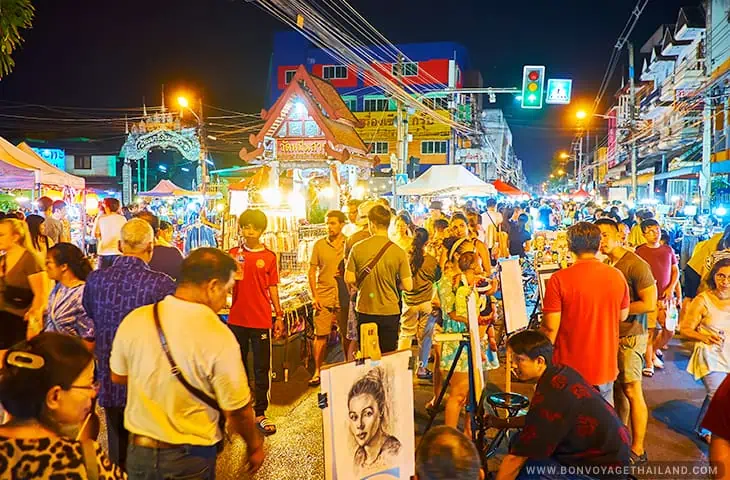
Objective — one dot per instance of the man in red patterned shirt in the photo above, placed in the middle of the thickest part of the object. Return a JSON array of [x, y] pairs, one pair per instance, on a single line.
[[570, 432], [255, 302]]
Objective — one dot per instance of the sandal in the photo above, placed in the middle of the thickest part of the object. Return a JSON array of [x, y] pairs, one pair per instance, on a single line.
[[315, 381], [648, 371], [265, 426]]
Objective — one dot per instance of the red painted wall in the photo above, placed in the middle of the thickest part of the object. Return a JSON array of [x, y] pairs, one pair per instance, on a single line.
[[429, 72]]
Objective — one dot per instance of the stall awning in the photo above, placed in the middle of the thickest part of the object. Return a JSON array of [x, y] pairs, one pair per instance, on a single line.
[[640, 179], [168, 189], [679, 172], [448, 180], [506, 189]]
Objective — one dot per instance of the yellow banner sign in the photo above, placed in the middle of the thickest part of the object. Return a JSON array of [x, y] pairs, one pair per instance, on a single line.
[[380, 126], [301, 150]]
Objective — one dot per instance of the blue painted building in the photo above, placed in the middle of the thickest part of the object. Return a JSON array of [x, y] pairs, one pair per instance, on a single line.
[[430, 67]]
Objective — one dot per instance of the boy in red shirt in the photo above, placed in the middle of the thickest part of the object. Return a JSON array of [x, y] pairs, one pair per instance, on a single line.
[[255, 295]]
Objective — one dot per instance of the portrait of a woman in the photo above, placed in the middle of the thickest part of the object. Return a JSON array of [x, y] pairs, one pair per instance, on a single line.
[[369, 421]]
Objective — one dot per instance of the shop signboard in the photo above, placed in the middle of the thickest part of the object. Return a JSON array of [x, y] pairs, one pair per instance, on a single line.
[[303, 149], [54, 156], [380, 126], [470, 155], [612, 143]]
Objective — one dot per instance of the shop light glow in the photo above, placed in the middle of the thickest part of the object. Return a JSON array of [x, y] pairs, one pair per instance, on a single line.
[[720, 211], [271, 196], [676, 198], [358, 192], [327, 192]]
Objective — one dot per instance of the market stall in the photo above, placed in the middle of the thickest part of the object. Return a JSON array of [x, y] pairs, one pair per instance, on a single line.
[[311, 158], [448, 180], [27, 170]]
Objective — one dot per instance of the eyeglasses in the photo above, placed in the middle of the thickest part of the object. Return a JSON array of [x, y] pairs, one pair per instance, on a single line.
[[94, 387]]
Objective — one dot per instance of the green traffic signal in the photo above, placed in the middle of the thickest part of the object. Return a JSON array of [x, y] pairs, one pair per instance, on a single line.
[[533, 82]]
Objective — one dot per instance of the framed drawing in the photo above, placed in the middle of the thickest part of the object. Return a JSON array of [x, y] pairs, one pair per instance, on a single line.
[[513, 295], [368, 419], [543, 275]]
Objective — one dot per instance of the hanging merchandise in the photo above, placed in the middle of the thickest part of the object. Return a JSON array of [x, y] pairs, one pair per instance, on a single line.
[[199, 235]]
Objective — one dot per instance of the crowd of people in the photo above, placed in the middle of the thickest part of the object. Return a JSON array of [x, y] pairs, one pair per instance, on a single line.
[[119, 334]]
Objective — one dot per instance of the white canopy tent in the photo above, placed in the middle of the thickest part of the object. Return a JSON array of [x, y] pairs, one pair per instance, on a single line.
[[443, 180]]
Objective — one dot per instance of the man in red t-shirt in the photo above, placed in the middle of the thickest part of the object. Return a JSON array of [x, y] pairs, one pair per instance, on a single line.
[[583, 307], [663, 263], [255, 295]]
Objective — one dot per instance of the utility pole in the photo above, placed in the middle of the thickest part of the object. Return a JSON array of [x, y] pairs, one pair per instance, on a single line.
[[203, 152], [579, 174], [632, 124], [396, 163], [705, 182]]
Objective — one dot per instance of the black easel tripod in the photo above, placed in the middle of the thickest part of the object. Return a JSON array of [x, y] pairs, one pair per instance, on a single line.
[[471, 407]]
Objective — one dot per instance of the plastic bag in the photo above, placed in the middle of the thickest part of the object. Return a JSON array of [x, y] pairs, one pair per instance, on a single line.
[[672, 317]]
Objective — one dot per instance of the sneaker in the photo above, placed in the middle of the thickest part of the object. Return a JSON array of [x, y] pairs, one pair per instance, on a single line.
[[658, 363], [635, 459], [660, 354], [426, 374]]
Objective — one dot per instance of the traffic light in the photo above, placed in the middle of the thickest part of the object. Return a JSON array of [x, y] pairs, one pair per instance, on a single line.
[[533, 81]]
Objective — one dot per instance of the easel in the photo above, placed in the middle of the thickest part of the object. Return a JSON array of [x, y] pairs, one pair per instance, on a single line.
[[472, 404]]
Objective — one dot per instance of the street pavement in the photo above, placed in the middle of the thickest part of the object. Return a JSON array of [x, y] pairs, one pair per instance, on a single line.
[[296, 451]]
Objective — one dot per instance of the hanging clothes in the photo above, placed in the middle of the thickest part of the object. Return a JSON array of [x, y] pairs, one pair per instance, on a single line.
[[199, 235]]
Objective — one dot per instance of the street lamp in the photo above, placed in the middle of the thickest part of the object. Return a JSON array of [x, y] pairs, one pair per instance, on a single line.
[[185, 104], [561, 172], [564, 155], [581, 114]]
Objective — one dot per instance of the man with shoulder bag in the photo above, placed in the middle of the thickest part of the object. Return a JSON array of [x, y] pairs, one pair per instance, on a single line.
[[380, 272], [184, 376]]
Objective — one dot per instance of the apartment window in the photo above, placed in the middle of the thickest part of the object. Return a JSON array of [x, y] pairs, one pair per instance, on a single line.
[[331, 72], [409, 69], [437, 103], [433, 147], [82, 162], [351, 102], [376, 104], [288, 75], [378, 147]]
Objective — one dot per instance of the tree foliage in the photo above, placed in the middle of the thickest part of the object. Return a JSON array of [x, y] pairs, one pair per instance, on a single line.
[[15, 15]]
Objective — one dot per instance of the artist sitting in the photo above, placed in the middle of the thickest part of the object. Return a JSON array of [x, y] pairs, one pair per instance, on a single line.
[[569, 425]]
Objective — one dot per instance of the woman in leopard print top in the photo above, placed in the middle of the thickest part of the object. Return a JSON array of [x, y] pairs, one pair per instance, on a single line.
[[47, 386]]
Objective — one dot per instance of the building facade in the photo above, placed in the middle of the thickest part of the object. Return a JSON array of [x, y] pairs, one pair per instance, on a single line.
[[431, 67], [668, 123]]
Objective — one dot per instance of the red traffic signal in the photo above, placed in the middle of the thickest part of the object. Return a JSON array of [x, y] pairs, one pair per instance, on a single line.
[[534, 75]]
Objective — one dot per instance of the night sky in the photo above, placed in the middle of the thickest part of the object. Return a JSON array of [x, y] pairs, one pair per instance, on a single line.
[[112, 53]]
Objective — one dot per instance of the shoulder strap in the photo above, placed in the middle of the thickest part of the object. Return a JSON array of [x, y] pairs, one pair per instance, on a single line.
[[88, 451], [371, 266], [199, 394]]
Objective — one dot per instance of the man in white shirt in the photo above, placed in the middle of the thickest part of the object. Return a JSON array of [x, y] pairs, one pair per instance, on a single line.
[[173, 432], [108, 232], [491, 220]]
